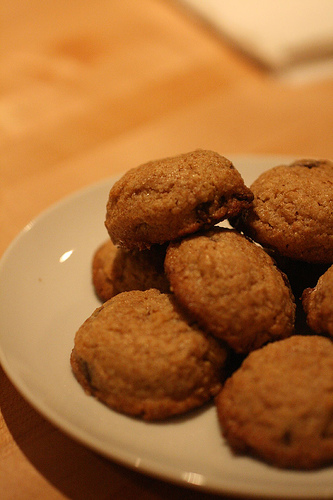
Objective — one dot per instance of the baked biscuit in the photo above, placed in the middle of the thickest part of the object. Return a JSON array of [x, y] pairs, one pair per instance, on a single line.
[[318, 304], [164, 199], [292, 211], [116, 270], [278, 405], [231, 287], [301, 275], [138, 354]]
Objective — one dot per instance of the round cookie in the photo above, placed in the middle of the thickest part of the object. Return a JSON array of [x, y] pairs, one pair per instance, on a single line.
[[164, 199], [301, 275], [292, 211], [116, 270], [278, 405], [318, 304], [231, 287], [138, 354]]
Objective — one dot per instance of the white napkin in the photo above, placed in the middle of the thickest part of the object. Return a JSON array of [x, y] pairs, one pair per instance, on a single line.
[[290, 37]]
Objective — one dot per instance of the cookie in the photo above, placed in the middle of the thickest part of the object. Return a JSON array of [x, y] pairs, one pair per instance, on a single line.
[[292, 211], [139, 355], [165, 199], [116, 270], [301, 275], [231, 287], [318, 304], [278, 405]]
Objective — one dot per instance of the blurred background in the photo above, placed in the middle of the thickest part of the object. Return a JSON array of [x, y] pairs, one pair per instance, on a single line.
[[76, 76]]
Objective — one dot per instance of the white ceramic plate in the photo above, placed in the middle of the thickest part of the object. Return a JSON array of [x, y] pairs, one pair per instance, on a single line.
[[45, 295]]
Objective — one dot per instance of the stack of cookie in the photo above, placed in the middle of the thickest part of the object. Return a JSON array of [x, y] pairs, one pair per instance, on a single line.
[[183, 297]]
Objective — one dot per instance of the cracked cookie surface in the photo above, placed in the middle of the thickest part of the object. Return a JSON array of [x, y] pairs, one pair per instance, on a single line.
[[279, 404], [292, 211], [231, 287], [165, 199], [139, 355]]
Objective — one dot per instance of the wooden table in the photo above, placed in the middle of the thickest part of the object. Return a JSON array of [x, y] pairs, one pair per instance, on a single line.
[[88, 90]]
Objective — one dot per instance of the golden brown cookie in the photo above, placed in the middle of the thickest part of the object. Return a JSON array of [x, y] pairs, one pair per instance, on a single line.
[[318, 304], [278, 405], [301, 275], [292, 211], [164, 199], [116, 270], [138, 354], [231, 287]]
